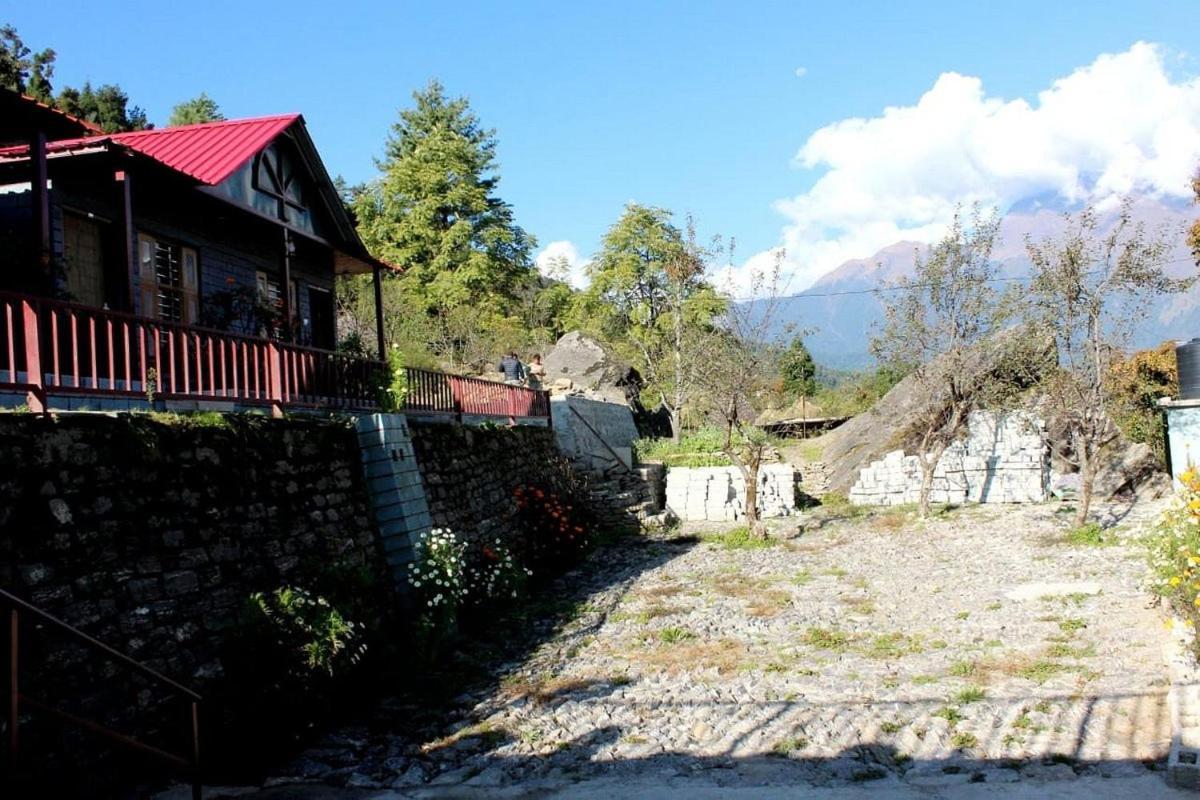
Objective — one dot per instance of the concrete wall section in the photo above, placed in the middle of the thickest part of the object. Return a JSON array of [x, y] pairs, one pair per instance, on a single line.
[[719, 493], [394, 483], [596, 436]]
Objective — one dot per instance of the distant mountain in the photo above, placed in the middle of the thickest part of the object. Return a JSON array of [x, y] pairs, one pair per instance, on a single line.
[[839, 311]]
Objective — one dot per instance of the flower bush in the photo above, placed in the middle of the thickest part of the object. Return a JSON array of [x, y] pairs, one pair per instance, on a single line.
[[1174, 549], [447, 580], [554, 528]]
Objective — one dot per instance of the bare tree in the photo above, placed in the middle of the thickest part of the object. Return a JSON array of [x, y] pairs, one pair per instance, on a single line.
[[936, 318], [1090, 288], [735, 366]]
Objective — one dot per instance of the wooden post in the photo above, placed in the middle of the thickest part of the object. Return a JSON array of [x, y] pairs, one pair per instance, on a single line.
[[35, 398], [125, 209], [288, 247], [275, 380], [40, 196], [377, 281]]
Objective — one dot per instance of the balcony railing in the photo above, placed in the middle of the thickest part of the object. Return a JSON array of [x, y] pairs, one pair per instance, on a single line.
[[48, 347], [439, 393]]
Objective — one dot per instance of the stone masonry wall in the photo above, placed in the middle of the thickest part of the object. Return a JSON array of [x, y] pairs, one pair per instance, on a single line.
[[1004, 459], [719, 493], [151, 536], [469, 474]]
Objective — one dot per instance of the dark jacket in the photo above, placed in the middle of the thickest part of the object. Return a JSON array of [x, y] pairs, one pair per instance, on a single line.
[[512, 368]]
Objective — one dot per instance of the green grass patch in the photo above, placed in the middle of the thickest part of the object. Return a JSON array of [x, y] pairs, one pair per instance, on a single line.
[[971, 694], [964, 668], [962, 740], [1090, 535], [951, 714], [740, 539], [789, 745], [675, 635], [892, 645], [827, 639]]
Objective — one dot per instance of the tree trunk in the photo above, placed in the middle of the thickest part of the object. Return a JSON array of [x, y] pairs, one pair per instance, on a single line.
[[676, 425], [927, 468], [1087, 481], [757, 529]]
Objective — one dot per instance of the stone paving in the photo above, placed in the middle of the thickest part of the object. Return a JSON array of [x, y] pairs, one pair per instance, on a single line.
[[867, 650]]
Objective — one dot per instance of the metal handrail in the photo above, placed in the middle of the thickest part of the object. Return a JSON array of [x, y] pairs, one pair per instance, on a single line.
[[15, 698]]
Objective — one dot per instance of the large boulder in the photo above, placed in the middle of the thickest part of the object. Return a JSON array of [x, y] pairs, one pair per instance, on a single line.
[[578, 364], [890, 424]]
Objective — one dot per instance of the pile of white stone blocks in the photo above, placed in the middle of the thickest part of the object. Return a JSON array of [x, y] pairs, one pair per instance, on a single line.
[[1003, 459], [719, 493]]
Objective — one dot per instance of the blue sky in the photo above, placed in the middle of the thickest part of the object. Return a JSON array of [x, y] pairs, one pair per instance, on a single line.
[[694, 106]]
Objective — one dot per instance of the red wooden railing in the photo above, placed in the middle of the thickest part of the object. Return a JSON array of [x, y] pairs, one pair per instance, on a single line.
[[440, 393], [48, 346]]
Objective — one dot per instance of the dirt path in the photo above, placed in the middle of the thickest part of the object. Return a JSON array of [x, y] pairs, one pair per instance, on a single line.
[[980, 647]]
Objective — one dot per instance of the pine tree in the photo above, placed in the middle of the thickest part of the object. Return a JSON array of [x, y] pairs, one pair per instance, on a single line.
[[798, 370], [435, 213]]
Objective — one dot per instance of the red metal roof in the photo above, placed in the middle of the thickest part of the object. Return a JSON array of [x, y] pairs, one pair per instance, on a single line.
[[209, 152]]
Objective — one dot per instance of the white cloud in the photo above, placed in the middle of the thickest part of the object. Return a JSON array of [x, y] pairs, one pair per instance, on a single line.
[[560, 260], [801, 72], [1118, 125]]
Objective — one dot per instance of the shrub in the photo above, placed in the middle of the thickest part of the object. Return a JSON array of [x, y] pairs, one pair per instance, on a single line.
[[1089, 535], [1173, 549], [554, 528], [316, 639], [1136, 384]]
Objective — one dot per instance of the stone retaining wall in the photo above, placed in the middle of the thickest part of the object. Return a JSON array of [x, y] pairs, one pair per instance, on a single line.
[[719, 493], [1003, 459], [151, 536]]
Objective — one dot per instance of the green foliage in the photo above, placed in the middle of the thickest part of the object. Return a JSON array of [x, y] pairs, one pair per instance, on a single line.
[[435, 213], [21, 69], [854, 393], [240, 309], [1090, 534], [201, 108], [798, 370], [647, 294], [699, 448], [827, 639], [675, 635], [313, 636], [106, 105], [28, 72], [1136, 384], [740, 539]]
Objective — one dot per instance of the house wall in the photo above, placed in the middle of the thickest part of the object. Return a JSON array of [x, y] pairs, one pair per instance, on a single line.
[[232, 245]]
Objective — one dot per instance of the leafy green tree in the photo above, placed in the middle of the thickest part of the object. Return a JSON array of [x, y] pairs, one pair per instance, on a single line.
[[798, 370], [647, 292], [435, 213], [22, 70], [106, 106], [201, 108]]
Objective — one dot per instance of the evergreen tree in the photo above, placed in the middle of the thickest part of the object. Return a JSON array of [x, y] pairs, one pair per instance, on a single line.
[[798, 370], [199, 109], [435, 213], [21, 69], [106, 106]]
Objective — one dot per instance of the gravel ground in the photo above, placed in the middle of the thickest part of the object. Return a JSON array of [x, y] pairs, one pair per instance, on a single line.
[[979, 647]]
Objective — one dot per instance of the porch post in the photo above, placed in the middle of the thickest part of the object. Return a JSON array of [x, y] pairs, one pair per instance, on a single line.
[[288, 247], [40, 196], [125, 208], [377, 281]]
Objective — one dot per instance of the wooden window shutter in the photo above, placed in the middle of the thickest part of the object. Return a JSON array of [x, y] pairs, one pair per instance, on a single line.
[[147, 282], [191, 287]]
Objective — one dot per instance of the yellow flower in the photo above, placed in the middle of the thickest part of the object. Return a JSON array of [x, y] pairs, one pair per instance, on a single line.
[[1175, 581]]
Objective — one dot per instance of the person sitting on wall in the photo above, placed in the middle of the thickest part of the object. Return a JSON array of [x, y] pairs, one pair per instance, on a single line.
[[513, 369], [535, 373]]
